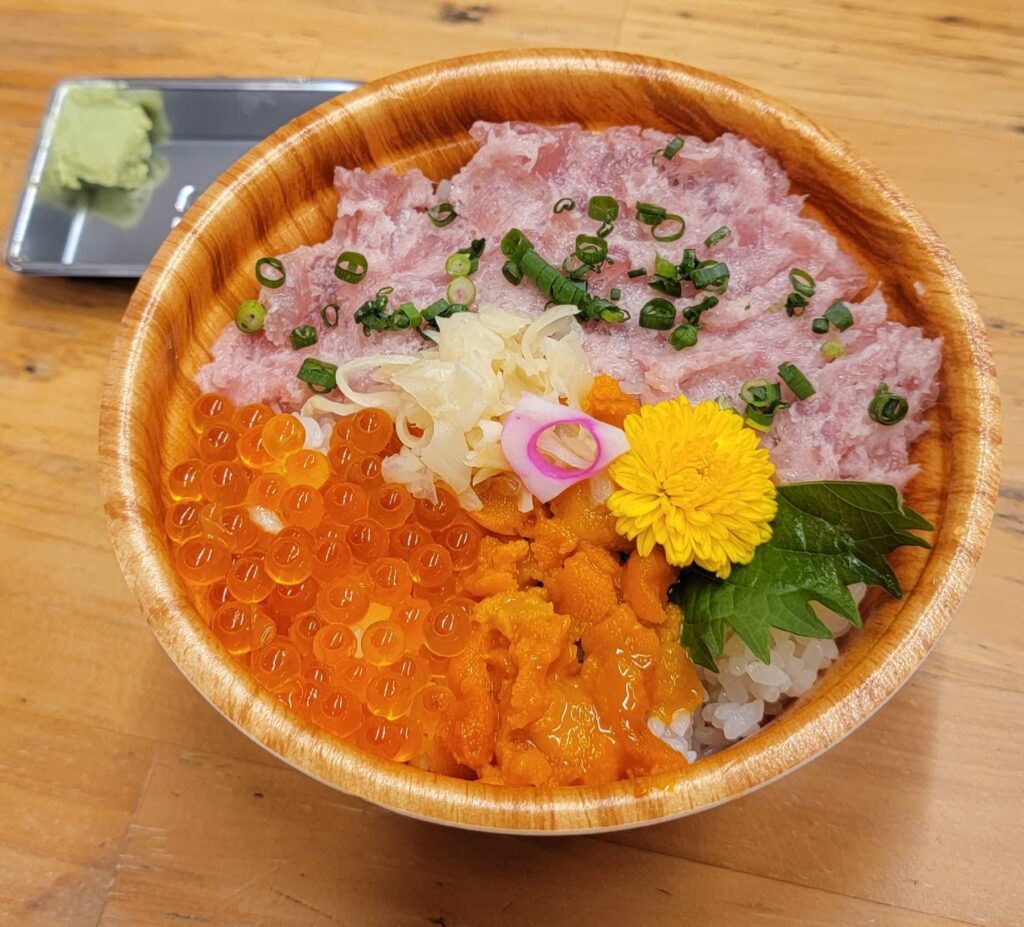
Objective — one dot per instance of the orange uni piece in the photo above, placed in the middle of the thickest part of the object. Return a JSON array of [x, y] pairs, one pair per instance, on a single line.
[[500, 513], [608, 403], [497, 567], [586, 585], [645, 584], [576, 509]]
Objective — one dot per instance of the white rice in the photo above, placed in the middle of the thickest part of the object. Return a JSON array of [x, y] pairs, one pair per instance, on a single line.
[[746, 693]]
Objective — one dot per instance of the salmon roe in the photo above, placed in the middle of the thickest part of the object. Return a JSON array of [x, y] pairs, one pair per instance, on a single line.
[[409, 628]]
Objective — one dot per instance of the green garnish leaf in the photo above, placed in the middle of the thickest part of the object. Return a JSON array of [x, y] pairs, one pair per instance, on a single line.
[[825, 536]]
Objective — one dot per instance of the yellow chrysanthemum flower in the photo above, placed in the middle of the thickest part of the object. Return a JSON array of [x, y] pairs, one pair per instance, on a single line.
[[695, 481]]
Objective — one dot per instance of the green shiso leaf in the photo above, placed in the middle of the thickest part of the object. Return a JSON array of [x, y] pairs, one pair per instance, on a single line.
[[825, 536]]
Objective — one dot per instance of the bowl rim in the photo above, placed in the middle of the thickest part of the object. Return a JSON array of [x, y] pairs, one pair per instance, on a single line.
[[810, 729]]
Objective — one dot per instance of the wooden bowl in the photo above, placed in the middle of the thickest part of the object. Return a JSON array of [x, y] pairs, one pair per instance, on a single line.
[[280, 195]]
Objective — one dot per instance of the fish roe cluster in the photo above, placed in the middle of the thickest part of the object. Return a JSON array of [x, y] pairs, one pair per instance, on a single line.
[[334, 588]]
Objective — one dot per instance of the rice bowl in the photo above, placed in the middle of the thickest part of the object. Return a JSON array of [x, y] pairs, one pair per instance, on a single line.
[[766, 678]]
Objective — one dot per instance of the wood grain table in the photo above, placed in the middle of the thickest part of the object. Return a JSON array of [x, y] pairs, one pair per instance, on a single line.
[[124, 799]]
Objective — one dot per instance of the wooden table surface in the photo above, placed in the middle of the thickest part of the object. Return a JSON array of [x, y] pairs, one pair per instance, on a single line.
[[124, 799]]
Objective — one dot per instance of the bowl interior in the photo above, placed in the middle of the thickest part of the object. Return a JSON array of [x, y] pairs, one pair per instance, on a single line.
[[281, 195]]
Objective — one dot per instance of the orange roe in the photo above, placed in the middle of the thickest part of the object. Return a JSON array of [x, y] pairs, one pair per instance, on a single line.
[[504, 645]]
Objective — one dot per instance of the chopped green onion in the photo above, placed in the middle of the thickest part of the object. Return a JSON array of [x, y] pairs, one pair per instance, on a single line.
[[763, 395], [442, 214], [710, 273], [684, 336], [461, 291], [604, 230], [603, 208], [726, 404], [759, 421], [716, 236], [321, 376], [795, 304], [692, 314], [650, 213], [512, 272], [794, 378], [689, 262], [400, 320], [658, 314], [888, 408], [839, 315], [514, 245], [669, 236], [832, 349], [673, 148], [615, 293], [665, 268], [351, 266], [820, 326], [564, 204], [612, 314], [436, 308], [636, 272], [590, 249], [329, 314], [547, 279], [411, 313], [458, 264], [302, 337], [274, 264], [802, 282], [669, 287], [250, 315]]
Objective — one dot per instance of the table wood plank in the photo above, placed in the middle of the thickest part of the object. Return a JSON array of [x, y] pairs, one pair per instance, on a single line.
[[124, 799]]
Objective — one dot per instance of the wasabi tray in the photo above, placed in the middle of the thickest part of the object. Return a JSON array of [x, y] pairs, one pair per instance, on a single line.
[[211, 123]]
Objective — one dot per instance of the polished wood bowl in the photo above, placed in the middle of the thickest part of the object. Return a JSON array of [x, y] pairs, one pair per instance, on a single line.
[[280, 195]]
